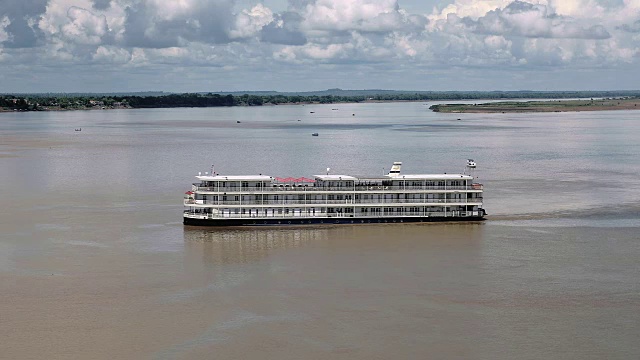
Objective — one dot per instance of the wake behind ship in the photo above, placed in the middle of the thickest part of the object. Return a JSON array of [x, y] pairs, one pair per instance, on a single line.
[[221, 200]]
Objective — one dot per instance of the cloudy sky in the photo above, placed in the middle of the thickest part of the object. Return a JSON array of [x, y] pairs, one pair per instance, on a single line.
[[301, 45]]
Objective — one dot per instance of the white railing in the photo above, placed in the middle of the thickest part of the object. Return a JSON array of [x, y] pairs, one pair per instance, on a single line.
[[290, 203], [252, 189]]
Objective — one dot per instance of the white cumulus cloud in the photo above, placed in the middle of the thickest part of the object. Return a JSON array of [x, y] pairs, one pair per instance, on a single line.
[[112, 55], [362, 15], [84, 27], [186, 36], [250, 22], [4, 22], [529, 20]]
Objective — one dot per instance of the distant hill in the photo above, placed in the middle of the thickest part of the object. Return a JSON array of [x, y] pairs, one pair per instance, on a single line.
[[376, 94], [494, 94], [328, 92]]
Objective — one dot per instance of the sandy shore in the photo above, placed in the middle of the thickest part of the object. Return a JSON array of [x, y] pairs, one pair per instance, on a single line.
[[541, 106]]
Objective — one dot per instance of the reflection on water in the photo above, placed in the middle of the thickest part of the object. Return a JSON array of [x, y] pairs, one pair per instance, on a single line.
[[242, 245], [220, 245]]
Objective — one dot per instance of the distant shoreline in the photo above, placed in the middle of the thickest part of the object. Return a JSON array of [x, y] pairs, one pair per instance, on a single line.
[[540, 106], [507, 106], [54, 108]]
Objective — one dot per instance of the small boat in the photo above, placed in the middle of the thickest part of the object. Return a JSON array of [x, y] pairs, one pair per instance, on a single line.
[[471, 164], [238, 121], [314, 134], [311, 112], [79, 129]]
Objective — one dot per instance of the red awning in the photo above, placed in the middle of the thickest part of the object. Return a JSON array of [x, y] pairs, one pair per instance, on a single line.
[[293, 180]]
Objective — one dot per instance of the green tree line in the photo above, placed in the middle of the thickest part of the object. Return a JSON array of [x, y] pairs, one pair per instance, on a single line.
[[43, 102]]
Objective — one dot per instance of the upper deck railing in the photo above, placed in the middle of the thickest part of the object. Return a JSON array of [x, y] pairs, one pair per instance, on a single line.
[[357, 188]]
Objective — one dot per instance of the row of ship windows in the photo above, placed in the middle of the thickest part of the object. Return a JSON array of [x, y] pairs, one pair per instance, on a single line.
[[332, 197], [333, 210], [247, 184]]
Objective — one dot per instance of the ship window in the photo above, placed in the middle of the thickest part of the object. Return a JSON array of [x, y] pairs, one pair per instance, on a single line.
[[237, 198], [224, 197], [245, 184]]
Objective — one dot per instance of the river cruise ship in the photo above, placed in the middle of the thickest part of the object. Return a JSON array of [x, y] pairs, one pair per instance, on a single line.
[[225, 200]]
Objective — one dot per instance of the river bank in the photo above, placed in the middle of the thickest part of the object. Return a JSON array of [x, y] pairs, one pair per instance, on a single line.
[[540, 106]]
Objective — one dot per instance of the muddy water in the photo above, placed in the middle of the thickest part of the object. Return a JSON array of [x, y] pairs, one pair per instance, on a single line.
[[95, 263]]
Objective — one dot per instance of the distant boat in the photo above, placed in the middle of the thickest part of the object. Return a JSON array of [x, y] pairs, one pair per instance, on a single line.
[[311, 112], [471, 164], [314, 134], [299, 120], [79, 129], [334, 109], [238, 121]]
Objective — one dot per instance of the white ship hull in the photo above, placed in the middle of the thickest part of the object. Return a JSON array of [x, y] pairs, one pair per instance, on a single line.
[[332, 199]]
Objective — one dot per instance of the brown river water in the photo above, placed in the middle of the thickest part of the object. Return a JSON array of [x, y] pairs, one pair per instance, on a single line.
[[96, 264]]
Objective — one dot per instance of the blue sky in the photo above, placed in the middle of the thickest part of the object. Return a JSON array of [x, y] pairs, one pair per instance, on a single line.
[[301, 45]]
